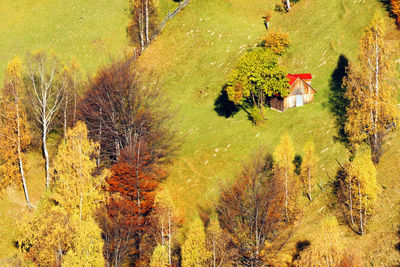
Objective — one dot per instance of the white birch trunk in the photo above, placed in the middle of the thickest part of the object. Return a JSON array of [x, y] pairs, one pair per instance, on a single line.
[[21, 166]]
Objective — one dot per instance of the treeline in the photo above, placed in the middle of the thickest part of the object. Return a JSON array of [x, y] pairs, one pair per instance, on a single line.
[[114, 144]]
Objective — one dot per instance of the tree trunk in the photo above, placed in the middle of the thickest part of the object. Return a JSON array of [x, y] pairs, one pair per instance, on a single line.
[[21, 167], [360, 209], [351, 204], [288, 5], [46, 157], [309, 184], [65, 117], [169, 238], [147, 22], [286, 194]]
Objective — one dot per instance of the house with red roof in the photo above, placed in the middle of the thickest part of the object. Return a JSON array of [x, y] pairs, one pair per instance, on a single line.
[[300, 92]]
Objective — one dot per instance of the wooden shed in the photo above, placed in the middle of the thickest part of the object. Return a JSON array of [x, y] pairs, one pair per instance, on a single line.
[[300, 94]]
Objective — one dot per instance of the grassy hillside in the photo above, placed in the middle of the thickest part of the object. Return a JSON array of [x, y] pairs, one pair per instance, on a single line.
[[93, 31], [194, 56]]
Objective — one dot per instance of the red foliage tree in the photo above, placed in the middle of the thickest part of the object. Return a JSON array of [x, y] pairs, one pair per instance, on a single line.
[[128, 212]]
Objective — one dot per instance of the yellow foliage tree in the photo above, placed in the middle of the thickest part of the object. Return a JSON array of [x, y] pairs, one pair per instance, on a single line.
[[277, 41], [309, 168], [284, 168], [48, 235], [76, 187], [194, 251], [86, 246], [326, 249], [14, 130], [372, 112], [361, 176], [159, 257]]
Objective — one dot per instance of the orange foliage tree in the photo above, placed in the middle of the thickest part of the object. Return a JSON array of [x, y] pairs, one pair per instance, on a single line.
[[396, 10], [128, 212], [251, 212]]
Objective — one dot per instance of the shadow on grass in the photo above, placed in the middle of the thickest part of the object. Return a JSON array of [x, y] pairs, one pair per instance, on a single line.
[[388, 7], [301, 246], [223, 106], [337, 102]]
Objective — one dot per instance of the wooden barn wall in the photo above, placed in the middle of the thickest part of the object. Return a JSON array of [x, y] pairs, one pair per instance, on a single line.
[[307, 98]]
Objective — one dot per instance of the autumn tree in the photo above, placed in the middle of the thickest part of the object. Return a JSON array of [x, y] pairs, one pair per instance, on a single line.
[[215, 241], [143, 22], [63, 230], [326, 248], [122, 109], [47, 236], [86, 245], [256, 77], [166, 223], [251, 212], [396, 10], [284, 169], [194, 251], [132, 191], [357, 190], [14, 130], [309, 168], [77, 188], [276, 41], [159, 257], [45, 90], [372, 112], [71, 75]]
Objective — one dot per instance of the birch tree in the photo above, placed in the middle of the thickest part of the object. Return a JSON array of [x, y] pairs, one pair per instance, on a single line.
[[371, 90], [142, 25], [14, 130], [71, 75], [46, 90], [284, 167], [194, 251], [288, 6], [256, 198], [358, 190], [309, 168], [76, 188]]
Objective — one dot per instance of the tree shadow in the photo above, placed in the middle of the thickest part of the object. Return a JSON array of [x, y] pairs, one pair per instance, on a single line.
[[337, 102], [388, 7], [300, 246], [297, 163], [223, 106]]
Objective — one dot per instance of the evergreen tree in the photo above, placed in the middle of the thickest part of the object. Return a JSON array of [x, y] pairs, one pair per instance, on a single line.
[[372, 112], [194, 251]]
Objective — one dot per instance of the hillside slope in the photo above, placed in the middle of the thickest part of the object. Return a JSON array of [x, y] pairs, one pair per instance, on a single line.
[[194, 56]]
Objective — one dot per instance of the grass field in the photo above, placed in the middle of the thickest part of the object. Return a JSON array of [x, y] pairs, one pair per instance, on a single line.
[[194, 56]]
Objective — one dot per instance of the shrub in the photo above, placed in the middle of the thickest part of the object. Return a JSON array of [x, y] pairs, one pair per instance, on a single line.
[[257, 115], [277, 41]]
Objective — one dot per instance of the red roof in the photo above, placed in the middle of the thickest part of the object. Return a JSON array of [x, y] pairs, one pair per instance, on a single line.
[[303, 76]]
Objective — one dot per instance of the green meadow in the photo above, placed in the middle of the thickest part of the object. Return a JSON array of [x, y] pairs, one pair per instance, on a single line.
[[193, 58]]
